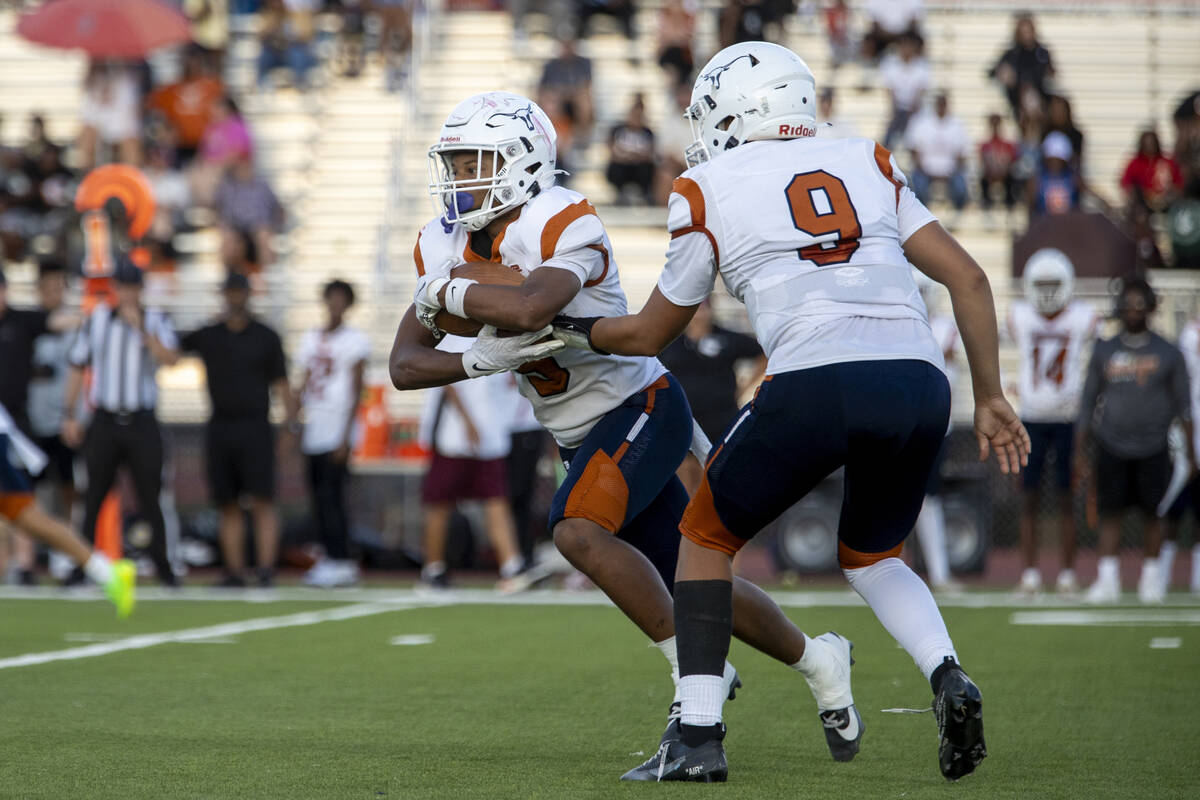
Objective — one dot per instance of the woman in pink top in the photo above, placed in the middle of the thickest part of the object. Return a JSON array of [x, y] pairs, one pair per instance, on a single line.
[[225, 141]]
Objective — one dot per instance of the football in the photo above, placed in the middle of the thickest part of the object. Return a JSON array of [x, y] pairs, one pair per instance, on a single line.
[[484, 272]]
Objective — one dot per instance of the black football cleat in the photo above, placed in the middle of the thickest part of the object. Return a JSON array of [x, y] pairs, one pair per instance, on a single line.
[[958, 708], [676, 761], [649, 769], [843, 732]]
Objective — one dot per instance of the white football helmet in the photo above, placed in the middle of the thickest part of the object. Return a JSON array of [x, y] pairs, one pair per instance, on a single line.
[[1049, 280], [749, 92], [515, 146]]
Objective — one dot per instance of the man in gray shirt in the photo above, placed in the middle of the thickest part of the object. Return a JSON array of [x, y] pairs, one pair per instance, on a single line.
[[1137, 384]]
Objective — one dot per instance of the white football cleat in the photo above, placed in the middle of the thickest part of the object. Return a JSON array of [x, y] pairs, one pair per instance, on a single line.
[[332, 573], [835, 702]]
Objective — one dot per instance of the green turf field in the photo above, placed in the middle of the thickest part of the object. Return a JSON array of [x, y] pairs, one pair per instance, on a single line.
[[554, 701]]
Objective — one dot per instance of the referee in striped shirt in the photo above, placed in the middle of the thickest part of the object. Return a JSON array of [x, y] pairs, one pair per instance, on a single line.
[[124, 345]]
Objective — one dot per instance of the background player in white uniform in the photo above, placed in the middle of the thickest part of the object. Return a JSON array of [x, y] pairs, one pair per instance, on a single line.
[[931, 522], [622, 424], [814, 236], [1052, 332], [334, 358]]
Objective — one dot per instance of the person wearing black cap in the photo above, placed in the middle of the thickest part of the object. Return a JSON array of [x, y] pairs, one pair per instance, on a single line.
[[124, 345], [244, 361]]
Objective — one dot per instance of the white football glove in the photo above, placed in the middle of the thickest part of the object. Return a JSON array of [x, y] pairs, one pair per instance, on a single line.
[[491, 354], [425, 299]]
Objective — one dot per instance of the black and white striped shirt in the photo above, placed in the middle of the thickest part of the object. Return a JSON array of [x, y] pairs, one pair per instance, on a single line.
[[122, 365]]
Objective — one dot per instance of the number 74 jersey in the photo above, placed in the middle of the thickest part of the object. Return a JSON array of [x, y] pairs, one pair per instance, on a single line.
[[809, 234], [1051, 351]]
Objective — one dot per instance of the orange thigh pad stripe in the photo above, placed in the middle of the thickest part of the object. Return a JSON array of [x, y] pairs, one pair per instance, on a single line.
[[601, 494], [11, 505], [702, 525], [849, 558]]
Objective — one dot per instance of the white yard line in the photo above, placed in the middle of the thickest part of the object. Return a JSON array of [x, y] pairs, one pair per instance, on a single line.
[[1116, 617], [142, 641]]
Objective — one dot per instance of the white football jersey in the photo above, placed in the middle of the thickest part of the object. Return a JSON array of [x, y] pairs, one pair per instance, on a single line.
[[1189, 344], [571, 390], [329, 358], [808, 233], [1051, 351]]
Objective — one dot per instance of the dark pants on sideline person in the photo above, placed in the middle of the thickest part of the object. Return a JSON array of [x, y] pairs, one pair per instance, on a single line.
[[134, 441], [527, 449], [328, 481]]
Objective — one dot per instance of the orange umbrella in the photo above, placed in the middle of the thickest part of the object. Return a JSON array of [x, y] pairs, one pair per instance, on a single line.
[[105, 28]]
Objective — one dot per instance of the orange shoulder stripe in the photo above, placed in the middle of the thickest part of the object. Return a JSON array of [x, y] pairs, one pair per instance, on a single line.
[[559, 222], [689, 190], [883, 159], [417, 259]]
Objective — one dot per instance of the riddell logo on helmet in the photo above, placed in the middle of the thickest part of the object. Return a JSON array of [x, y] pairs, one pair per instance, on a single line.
[[451, 139], [796, 130]]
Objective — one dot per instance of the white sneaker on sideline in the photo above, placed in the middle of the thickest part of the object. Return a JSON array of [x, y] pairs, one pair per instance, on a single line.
[[1031, 583], [332, 573], [1151, 590], [1104, 592], [1067, 583]]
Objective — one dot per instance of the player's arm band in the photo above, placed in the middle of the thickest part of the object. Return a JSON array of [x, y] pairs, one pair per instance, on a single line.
[[576, 332]]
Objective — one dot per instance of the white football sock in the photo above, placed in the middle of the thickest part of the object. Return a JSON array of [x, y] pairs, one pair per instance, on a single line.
[[511, 567], [1195, 585], [931, 533], [814, 659], [902, 602], [1166, 560], [703, 697], [1108, 569], [98, 568], [671, 653]]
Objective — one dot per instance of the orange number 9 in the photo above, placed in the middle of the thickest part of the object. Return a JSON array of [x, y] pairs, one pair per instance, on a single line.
[[820, 206], [547, 376]]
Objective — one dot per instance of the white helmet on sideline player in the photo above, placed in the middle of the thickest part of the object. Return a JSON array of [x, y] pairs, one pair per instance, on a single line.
[[1049, 280], [749, 92], [521, 142]]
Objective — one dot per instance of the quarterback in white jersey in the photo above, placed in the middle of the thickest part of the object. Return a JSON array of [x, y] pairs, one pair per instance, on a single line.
[[1052, 331], [623, 424], [815, 237]]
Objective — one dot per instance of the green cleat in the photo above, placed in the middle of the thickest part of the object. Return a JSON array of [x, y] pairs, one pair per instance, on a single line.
[[122, 588]]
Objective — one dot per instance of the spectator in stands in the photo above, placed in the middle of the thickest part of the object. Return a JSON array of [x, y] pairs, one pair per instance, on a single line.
[[837, 33], [1187, 143], [529, 443], [997, 166], [187, 105], [675, 37], [705, 359], [830, 125], [470, 441], [1027, 63], [674, 137], [395, 39], [210, 30], [888, 21], [1059, 118], [940, 145], [1151, 179], [753, 20], [244, 362], [905, 74], [38, 142], [631, 156], [620, 10], [1137, 384], [111, 114], [249, 213], [352, 52], [172, 197], [225, 141], [1056, 188], [334, 360], [565, 93], [286, 40]]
